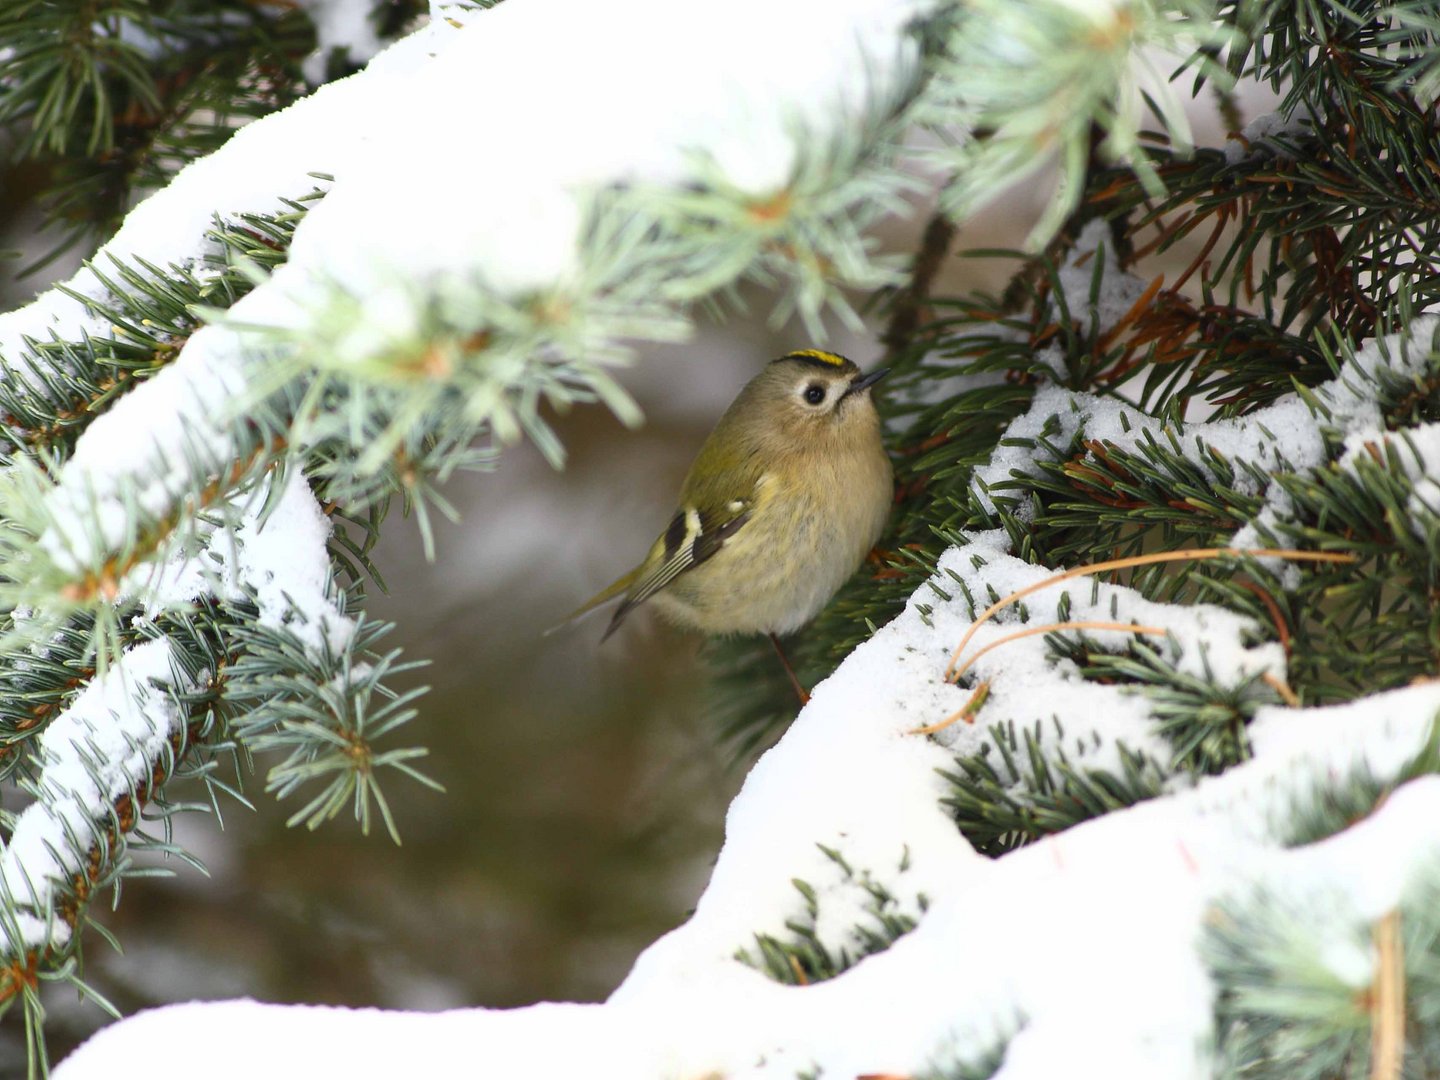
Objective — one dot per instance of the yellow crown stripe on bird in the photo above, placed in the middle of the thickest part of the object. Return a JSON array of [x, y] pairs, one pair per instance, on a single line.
[[817, 355]]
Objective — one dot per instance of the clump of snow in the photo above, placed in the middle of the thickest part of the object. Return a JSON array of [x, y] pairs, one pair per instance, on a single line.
[[342, 25], [1416, 453], [1095, 246], [1351, 410], [273, 555], [1350, 396], [1266, 134], [282, 563], [1056, 414], [1282, 435]]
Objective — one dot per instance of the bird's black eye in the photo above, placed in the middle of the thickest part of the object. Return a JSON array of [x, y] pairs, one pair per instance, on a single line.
[[814, 393]]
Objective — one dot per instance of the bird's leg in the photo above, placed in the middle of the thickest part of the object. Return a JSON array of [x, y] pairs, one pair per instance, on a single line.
[[800, 691]]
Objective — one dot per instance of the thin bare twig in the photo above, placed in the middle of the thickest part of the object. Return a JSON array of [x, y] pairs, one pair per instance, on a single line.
[[1050, 628], [966, 712], [1187, 555], [1387, 1001]]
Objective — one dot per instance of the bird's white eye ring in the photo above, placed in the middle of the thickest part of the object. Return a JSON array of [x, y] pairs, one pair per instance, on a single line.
[[814, 394]]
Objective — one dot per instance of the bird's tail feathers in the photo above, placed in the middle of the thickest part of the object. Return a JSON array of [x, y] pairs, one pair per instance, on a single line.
[[616, 588]]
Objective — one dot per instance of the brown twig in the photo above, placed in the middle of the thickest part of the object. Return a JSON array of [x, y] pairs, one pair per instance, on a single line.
[[1281, 687], [966, 712], [1282, 628], [1050, 628], [1222, 219], [1187, 555], [1387, 1001]]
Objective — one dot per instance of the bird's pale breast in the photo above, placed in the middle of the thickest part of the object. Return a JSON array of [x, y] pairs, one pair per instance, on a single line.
[[802, 543]]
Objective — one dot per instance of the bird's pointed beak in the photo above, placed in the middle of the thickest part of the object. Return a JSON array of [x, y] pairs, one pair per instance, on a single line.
[[864, 382]]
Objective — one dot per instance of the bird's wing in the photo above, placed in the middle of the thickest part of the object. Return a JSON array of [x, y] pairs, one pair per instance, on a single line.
[[692, 537]]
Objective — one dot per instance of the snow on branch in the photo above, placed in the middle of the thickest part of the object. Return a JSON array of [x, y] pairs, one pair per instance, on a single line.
[[97, 760], [299, 664]]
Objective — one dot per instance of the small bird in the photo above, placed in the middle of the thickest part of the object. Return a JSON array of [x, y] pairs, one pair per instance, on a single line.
[[784, 500]]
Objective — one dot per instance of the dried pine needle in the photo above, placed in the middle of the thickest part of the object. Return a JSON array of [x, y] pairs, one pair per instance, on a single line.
[[966, 712], [1281, 687], [1050, 628], [1387, 1001], [1187, 555]]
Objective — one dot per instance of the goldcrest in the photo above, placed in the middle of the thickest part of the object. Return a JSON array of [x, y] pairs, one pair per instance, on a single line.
[[786, 497]]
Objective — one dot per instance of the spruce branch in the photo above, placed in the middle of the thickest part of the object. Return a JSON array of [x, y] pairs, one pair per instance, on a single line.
[[112, 98], [1023, 785], [1285, 1008], [70, 841], [62, 385], [804, 956], [1062, 71], [325, 712]]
